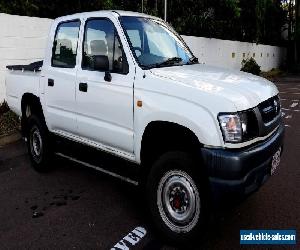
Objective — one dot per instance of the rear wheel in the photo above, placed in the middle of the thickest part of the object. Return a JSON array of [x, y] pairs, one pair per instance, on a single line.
[[38, 143], [177, 197]]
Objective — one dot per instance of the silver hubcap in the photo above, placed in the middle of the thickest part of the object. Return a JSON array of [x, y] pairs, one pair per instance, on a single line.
[[36, 144], [178, 201]]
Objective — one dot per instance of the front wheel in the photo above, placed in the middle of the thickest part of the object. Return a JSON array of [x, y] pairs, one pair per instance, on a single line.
[[177, 197], [38, 144]]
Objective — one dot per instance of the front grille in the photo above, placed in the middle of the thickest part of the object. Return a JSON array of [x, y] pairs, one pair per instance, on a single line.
[[269, 109]]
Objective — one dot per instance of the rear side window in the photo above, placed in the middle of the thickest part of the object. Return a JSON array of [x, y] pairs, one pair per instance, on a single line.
[[64, 49]]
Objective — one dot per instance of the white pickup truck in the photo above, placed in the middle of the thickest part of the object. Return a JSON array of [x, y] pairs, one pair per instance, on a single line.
[[127, 84]]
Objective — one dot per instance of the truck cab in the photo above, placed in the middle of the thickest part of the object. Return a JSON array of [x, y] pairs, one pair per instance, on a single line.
[[127, 84]]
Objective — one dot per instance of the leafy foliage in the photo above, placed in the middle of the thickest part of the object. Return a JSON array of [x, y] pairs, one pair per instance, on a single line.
[[273, 74], [250, 65], [9, 121], [3, 108]]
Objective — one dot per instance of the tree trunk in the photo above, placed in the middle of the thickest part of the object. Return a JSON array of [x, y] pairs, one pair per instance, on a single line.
[[297, 32], [290, 45]]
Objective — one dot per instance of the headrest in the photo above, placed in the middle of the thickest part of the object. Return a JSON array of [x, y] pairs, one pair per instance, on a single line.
[[98, 47]]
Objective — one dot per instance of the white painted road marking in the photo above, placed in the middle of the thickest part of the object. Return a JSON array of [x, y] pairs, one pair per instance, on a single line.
[[130, 239], [294, 104], [290, 101], [295, 110], [286, 85], [290, 88], [297, 93], [294, 100]]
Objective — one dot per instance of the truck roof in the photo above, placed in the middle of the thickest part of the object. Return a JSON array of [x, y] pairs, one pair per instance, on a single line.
[[103, 12]]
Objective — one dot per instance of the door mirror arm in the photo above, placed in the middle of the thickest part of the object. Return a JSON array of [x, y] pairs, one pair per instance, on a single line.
[[107, 76], [125, 68]]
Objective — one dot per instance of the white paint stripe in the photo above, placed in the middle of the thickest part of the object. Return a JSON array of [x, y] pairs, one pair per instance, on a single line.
[[284, 86], [99, 169], [289, 100], [293, 100], [290, 88], [296, 110], [286, 125], [289, 91], [288, 117], [131, 239], [288, 83], [294, 104], [298, 93]]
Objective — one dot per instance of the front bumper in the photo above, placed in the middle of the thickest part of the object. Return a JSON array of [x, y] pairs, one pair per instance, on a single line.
[[239, 172]]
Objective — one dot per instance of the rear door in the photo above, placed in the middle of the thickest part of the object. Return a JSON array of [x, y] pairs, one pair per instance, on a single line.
[[60, 79], [105, 107]]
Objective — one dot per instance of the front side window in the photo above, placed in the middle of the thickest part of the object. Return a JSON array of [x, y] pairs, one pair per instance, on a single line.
[[64, 49], [101, 43], [154, 43]]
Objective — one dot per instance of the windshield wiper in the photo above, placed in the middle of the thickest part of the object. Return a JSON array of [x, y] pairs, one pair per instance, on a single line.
[[169, 61], [193, 60]]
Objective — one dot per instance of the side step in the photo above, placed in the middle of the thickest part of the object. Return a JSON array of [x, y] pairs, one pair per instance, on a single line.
[[123, 178]]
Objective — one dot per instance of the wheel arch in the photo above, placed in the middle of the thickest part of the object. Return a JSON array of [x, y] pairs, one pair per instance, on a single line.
[[32, 100], [30, 104], [161, 136]]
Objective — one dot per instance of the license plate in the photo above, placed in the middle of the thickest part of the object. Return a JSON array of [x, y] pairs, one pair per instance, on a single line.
[[275, 161]]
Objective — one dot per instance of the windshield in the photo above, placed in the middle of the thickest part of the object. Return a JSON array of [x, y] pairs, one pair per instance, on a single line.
[[155, 44]]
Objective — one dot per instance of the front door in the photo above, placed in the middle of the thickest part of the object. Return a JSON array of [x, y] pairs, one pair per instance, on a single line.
[[104, 90]]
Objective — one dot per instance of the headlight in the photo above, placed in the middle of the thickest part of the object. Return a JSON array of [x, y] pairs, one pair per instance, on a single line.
[[232, 127]]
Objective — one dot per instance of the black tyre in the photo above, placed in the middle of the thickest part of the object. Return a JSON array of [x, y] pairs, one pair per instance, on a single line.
[[38, 143], [177, 197]]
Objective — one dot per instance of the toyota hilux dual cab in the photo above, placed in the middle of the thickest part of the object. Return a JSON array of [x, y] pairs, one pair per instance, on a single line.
[[127, 84]]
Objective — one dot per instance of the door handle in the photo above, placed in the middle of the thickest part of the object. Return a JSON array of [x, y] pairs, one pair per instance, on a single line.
[[83, 87], [50, 82]]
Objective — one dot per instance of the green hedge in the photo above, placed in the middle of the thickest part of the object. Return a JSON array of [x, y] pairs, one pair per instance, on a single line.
[[250, 65], [9, 121], [3, 108]]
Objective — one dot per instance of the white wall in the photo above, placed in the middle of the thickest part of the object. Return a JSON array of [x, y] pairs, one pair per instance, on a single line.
[[229, 54], [23, 39]]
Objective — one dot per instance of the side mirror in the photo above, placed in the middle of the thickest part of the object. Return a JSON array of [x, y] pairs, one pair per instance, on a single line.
[[125, 66], [107, 76], [101, 63], [120, 65]]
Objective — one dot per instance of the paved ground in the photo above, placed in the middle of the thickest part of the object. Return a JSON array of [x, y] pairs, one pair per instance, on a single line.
[[80, 208]]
